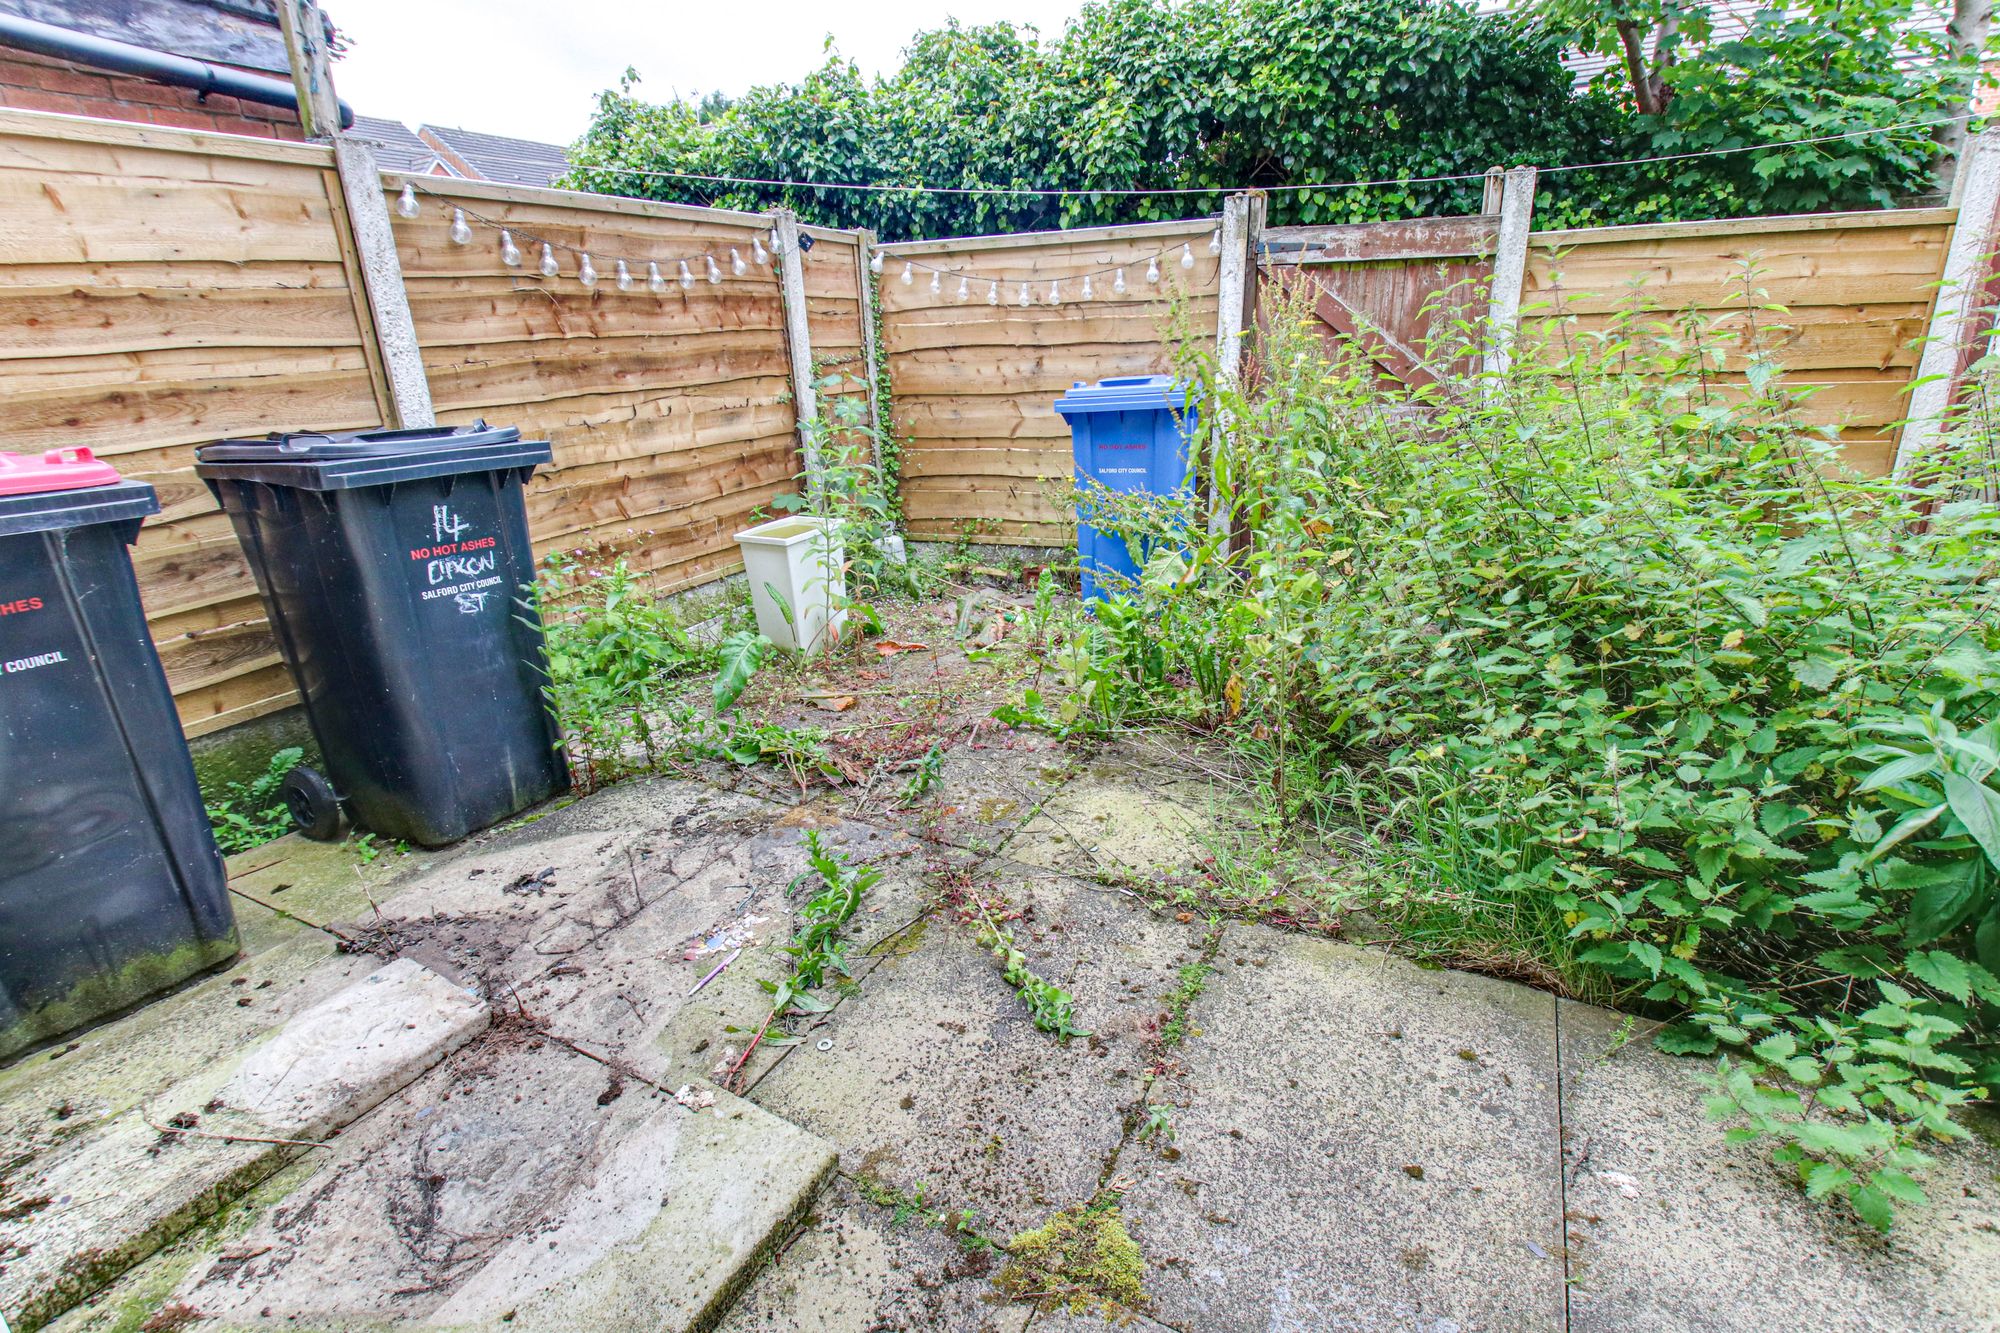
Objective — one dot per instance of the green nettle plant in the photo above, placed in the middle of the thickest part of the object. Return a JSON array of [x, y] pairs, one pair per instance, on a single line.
[[1635, 682]]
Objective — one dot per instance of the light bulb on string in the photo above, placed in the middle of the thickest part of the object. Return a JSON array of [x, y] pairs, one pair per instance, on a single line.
[[1055, 293], [757, 251], [736, 264], [776, 248], [461, 230], [656, 281], [993, 294], [937, 282], [714, 271], [585, 273], [1153, 269], [510, 253], [909, 274], [406, 202], [1025, 300], [1215, 242], [1187, 256], [875, 262], [548, 264], [964, 288], [687, 276], [1086, 286], [624, 277], [1118, 284]]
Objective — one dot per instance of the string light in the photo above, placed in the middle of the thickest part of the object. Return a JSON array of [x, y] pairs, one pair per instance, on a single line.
[[964, 288], [625, 270], [909, 274], [875, 262], [1118, 283], [1086, 286], [1025, 299], [993, 295], [937, 282], [1153, 270], [1187, 256], [1055, 293], [776, 248], [1215, 242]]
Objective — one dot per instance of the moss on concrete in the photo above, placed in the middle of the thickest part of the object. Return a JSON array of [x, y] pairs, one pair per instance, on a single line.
[[1083, 1258], [243, 752]]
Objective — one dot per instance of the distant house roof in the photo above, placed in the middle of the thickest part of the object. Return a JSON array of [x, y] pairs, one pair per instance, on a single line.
[[397, 147], [243, 33], [494, 158]]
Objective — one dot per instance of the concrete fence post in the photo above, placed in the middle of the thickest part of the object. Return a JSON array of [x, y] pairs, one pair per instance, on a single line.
[[1954, 314], [1235, 316], [1510, 266], [791, 262]]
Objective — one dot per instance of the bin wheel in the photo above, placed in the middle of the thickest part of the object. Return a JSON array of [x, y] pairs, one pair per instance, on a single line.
[[314, 804]]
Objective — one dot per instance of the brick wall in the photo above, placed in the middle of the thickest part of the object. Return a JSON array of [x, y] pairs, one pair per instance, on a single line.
[[36, 83]]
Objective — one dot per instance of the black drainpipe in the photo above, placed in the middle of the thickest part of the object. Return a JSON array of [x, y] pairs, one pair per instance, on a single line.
[[81, 48]]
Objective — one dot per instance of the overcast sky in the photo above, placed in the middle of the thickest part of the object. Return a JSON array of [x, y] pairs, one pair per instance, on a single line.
[[529, 68]]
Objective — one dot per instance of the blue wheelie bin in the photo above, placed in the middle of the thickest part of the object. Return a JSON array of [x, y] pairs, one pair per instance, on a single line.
[[1130, 434], [110, 884]]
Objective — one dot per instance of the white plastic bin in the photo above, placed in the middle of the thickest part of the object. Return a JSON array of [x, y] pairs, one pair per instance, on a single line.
[[797, 565]]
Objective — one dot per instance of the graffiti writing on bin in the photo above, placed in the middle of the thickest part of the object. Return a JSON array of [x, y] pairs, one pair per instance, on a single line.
[[458, 567]]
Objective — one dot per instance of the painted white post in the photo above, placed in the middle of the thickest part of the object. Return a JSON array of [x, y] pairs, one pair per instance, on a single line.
[[1510, 267], [367, 216], [791, 263], [1242, 221], [1954, 315]]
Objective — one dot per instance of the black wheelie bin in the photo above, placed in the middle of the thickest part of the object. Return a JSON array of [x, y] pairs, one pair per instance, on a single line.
[[110, 884], [397, 572]]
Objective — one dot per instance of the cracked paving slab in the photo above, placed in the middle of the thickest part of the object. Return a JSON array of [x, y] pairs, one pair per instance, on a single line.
[[519, 1185], [1672, 1228], [1357, 1143], [934, 1075]]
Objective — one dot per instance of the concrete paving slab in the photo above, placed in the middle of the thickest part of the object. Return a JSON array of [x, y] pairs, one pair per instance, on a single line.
[[318, 883], [116, 1189], [1357, 1143], [985, 790], [934, 1076], [345, 1054], [521, 1186], [1132, 811], [853, 1269], [1671, 1228]]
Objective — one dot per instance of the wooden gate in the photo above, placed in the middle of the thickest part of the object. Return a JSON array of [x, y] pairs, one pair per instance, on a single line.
[[1392, 289]]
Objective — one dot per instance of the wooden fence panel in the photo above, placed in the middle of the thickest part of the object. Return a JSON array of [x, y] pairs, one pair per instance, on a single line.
[[1857, 290], [985, 454], [160, 289], [670, 415]]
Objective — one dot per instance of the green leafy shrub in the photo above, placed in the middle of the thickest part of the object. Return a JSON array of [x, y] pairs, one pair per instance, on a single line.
[[613, 648], [1625, 663], [250, 814]]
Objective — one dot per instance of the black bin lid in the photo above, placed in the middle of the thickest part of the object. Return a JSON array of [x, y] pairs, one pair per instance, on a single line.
[[342, 460], [45, 511]]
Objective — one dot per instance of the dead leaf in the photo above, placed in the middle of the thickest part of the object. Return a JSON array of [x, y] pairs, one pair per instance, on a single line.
[[890, 647], [833, 703]]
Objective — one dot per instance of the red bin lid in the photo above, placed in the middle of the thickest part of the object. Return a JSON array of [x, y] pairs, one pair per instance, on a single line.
[[56, 470]]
